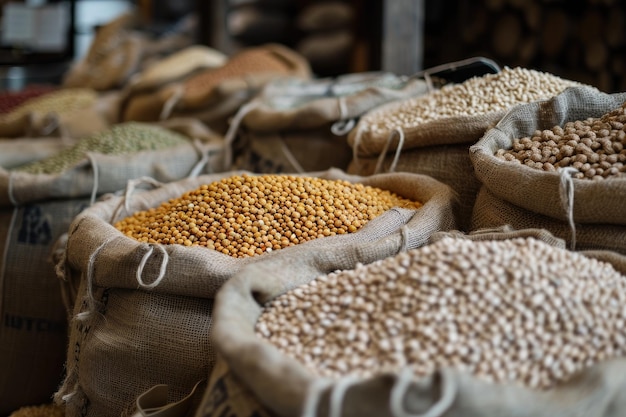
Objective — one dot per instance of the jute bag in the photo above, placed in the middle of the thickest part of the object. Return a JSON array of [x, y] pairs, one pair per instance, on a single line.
[[143, 312], [449, 164], [35, 211], [492, 211], [291, 120], [291, 151], [292, 103], [565, 202], [253, 376]]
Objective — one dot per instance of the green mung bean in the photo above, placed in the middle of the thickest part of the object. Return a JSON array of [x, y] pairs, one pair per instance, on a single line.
[[121, 139]]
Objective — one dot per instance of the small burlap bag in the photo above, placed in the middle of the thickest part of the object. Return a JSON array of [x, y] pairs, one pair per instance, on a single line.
[[35, 211], [253, 376], [572, 202], [143, 312]]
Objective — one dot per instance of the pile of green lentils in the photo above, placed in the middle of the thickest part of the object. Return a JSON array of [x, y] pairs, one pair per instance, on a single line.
[[247, 215], [596, 147], [121, 139], [517, 310]]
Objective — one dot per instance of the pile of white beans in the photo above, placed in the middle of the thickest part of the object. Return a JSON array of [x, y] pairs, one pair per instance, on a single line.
[[516, 310], [476, 96]]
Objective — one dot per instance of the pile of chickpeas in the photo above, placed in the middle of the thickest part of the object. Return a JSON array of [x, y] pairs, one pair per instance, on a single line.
[[596, 147], [517, 310], [247, 215]]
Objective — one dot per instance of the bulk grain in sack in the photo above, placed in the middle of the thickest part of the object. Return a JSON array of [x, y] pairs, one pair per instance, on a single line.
[[431, 134], [503, 323], [291, 118], [559, 165], [38, 201], [147, 284]]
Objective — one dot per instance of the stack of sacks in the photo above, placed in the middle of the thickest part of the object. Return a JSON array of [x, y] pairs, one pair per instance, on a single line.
[[145, 283], [296, 125], [431, 134], [213, 95], [38, 201], [328, 37], [560, 165]]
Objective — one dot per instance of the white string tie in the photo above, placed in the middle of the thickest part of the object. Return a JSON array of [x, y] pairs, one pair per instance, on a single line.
[[162, 270], [566, 193]]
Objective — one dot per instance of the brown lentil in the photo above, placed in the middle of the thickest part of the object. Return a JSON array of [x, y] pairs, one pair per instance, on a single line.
[[596, 147], [517, 310], [475, 96], [123, 138], [246, 215]]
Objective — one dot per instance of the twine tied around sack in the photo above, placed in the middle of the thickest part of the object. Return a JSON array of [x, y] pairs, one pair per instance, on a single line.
[[96, 178], [130, 188], [154, 403], [171, 102], [381, 158], [233, 127], [566, 194], [339, 388], [162, 269], [400, 388], [313, 395], [345, 124]]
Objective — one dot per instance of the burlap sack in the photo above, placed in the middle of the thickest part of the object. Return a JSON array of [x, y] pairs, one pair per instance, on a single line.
[[281, 386], [35, 211], [292, 103], [291, 151], [144, 312], [541, 192], [449, 164], [492, 211]]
